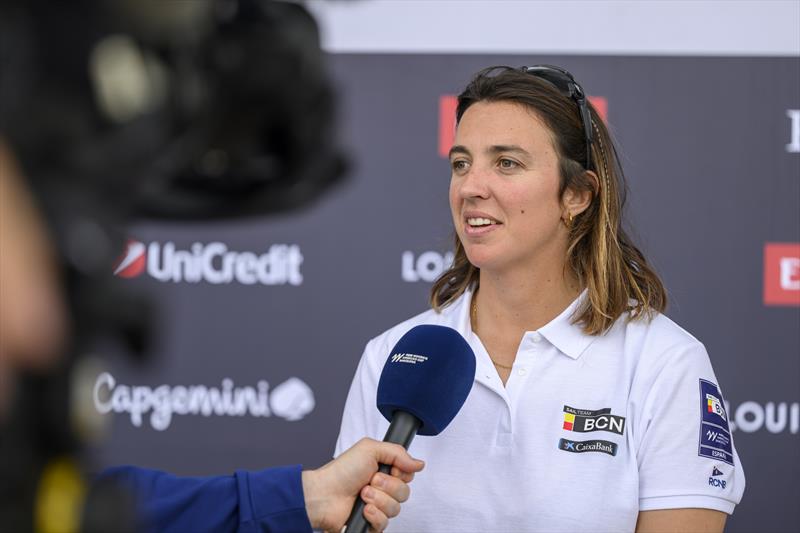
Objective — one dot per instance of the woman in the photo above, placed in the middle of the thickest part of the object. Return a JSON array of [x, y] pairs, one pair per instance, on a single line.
[[590, 409]]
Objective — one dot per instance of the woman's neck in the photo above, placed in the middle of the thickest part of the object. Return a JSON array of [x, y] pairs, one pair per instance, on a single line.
[[524, 301]]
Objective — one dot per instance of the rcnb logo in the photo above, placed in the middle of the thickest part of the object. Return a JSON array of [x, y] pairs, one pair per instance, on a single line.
[[426, 267], [714, 479], [211, 262]]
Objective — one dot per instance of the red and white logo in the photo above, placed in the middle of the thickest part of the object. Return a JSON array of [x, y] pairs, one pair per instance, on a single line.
[[782, 273], [213, 263], [447, 119], [133, 261]]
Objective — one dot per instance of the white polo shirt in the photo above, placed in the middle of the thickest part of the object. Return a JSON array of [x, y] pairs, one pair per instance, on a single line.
[[587, 432]]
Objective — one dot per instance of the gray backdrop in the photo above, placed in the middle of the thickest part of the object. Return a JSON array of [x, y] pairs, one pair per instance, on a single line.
[[708, 149]]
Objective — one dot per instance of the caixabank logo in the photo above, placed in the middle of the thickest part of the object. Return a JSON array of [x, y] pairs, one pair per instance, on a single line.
[[213, 263], [782, 273]]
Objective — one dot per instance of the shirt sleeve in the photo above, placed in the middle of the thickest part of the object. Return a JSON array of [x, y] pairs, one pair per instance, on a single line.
[[268, 500], [685, 453], [361, 417]]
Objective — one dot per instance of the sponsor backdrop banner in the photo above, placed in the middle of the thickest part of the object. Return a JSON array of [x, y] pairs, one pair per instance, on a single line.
[[262, 321]]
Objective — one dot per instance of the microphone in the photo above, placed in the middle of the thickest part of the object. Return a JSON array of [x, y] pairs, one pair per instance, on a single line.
[[424, 382]]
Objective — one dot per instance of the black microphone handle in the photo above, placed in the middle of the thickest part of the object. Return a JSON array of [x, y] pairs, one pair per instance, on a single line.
[[401, 431]]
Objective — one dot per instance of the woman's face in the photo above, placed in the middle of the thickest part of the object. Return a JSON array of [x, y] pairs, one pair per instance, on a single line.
[[504, 189]]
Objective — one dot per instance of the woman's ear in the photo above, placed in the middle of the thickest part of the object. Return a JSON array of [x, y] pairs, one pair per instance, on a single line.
[[575, 201]]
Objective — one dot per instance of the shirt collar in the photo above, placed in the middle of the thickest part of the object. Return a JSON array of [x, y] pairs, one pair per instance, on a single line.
[[569, 338]]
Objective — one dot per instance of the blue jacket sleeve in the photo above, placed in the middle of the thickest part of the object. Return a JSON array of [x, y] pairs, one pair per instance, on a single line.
[[269, 500]]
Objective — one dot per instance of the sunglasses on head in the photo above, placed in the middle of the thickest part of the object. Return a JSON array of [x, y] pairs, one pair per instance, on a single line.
[[566, 84]]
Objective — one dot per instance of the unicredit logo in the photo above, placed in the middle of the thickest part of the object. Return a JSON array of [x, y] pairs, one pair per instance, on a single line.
[[133, 260], [212, 263]]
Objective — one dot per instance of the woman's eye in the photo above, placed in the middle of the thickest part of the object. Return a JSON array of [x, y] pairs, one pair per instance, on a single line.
[[459, 165], [508, 164]]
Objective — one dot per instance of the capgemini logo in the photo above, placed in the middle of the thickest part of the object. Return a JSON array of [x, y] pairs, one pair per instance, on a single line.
[[292, 400]]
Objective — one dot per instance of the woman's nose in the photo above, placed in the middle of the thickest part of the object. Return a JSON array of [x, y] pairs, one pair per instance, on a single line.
[[474, 184]]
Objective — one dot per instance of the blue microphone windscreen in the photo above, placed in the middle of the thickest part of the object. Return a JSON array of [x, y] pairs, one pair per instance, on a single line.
[[429, 374]]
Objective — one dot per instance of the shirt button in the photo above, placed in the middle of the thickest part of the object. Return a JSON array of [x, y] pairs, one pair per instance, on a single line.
[[522, 372], [536, 337]]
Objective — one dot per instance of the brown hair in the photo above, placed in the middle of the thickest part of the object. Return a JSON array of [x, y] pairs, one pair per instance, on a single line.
[[600, 253]]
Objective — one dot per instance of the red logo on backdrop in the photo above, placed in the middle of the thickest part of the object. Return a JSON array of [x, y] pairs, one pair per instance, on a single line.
[[132, 262], [447, 123], [447, 118], [782, 273]]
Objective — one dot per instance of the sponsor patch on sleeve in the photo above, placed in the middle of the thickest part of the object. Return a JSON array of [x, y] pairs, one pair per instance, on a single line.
[[715, 436]]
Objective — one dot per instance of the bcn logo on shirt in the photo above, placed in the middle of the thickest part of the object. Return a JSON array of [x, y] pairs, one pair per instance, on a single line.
[[584, 421]]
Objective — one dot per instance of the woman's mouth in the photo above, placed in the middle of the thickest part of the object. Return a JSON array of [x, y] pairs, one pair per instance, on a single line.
[[480, 225]]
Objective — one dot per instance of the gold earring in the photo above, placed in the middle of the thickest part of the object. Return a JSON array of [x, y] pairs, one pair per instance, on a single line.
[[568, 222]]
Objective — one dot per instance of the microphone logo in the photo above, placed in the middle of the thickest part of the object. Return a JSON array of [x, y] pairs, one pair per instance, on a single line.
[[409, 358]]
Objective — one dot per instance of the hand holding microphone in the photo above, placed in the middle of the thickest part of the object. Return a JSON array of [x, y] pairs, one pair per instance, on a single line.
[[329, 490], [424, 383]]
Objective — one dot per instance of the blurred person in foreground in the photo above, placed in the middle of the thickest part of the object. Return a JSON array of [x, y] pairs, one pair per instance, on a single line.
[[117, 111], [33, 326], [591, 410]]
